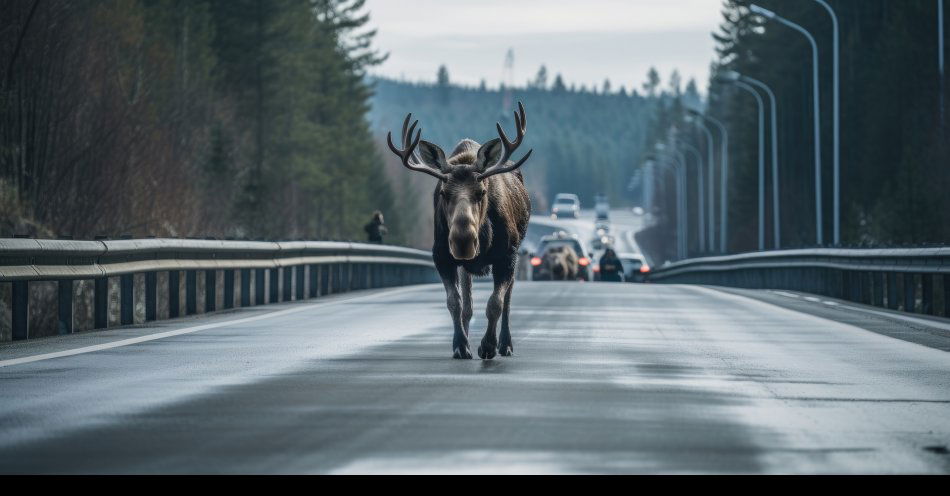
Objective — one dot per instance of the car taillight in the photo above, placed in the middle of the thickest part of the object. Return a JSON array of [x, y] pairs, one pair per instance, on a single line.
[[584, 262], [644, 269], [535, 261]]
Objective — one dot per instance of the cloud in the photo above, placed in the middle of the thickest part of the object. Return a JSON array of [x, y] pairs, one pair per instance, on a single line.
[[585, 41]]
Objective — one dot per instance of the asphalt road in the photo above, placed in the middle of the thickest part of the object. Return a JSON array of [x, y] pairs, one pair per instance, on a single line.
[[605, 378]]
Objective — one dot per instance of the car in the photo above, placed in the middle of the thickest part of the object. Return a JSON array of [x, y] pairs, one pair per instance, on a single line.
[[635, 266], [561, 238], [602, 241], [566, 205], [602, 207]]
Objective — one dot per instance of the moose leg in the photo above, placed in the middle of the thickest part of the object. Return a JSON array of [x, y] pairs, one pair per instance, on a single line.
[[505, 347], [503, 278], [465, 280], [453, 300]]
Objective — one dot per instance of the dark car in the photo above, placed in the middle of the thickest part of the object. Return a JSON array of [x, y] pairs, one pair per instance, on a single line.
[[584, 269]]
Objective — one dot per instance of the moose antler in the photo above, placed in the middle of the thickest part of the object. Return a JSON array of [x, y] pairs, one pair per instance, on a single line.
[[521, 123], [409, 148]]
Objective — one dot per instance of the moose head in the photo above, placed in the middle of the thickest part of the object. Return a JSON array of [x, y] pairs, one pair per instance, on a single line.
[[464, 193]]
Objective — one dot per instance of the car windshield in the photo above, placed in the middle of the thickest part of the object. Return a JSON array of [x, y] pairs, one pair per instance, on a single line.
[[631, 263]]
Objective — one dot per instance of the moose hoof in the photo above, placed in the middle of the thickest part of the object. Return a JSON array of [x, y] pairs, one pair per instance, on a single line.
[[462, 352], [486, 352], [505, 350]]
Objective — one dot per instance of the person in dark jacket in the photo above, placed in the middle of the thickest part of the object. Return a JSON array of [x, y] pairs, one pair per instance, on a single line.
[[610, 267], [375, 230]]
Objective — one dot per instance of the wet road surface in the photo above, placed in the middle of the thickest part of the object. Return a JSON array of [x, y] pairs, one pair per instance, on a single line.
[[606, 378]]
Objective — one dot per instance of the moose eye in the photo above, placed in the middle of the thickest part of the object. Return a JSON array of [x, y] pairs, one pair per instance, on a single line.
[[479, 194], [444, 193]]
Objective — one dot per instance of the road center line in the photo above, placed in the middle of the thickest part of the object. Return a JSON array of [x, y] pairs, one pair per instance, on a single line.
[[192, 329]]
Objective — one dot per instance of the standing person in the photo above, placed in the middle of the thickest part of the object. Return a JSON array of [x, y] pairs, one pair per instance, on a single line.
[[375, 230], [610, 267]]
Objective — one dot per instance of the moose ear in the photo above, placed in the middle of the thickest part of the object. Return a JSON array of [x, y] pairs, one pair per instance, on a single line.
[[488, 154], [432, 155]]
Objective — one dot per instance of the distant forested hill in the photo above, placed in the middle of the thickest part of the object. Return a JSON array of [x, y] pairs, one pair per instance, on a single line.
[[583, 142]]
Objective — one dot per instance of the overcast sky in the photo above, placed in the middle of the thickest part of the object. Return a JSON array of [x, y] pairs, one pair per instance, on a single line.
[[586, 41]]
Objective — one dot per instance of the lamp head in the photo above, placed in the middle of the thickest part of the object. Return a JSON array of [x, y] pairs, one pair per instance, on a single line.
[[766, 13], [730, 75]]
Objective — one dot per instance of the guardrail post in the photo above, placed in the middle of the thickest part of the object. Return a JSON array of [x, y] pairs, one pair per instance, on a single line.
[[211, 283], [20, 307], [946, 295], [274, 285], [151, 296], [174, 296], [847, 285], [259, 279], [326, 279], [288, 283], [836, 283], [314, 281], [337, 280], [101, 303], [301, 280], [865, 294], [191, 292], [892, 298], [910, 293], [245, 287], [927, 294], [878, 299], [65, 304], [126, 299], [229, 289]]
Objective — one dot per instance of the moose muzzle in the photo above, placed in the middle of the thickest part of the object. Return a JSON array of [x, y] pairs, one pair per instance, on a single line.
[[463, 237]]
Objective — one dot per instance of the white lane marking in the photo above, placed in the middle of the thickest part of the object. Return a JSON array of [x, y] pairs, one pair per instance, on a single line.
[[192, 329], [783, 293], [896, 316], [906, 318]]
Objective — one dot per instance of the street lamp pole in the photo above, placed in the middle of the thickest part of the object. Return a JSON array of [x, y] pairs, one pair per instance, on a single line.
[[700, 186], [836, 183], [710, 181], [776, 224], [723, 182], [734, 79], [768, 14], [682, 204], [676, 167], [940, 65]]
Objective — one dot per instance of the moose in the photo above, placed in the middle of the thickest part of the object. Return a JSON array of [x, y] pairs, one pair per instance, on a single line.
[[560, 262], [481, 211]]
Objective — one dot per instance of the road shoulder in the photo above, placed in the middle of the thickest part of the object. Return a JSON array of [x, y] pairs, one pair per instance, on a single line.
[[933, 332]]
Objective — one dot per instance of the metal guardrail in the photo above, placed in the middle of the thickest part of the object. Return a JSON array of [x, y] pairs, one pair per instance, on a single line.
[[899, 279], [281, 271]]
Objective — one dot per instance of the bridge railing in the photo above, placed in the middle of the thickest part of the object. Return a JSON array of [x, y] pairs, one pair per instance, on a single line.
[[246, 273], [911, 280]]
